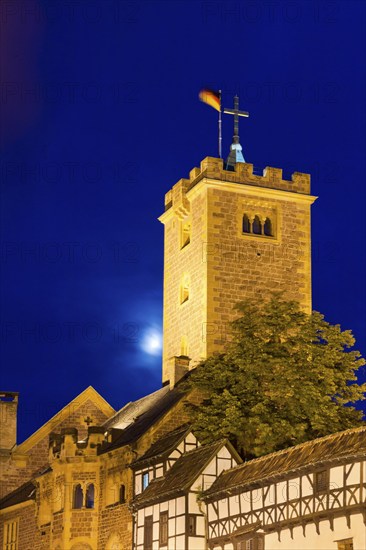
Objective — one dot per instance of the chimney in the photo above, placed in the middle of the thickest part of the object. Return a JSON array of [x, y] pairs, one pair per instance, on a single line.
[[180, 368], [8, 420]]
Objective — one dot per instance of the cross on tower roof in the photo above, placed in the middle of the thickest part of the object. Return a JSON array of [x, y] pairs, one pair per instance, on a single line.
[[236, 154]]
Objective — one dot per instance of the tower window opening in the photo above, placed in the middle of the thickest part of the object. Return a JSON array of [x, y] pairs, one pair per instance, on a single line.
[[268, 231], [184, 346], [185, 237], [184, 289], [89, 500], [78, 497], [257, 226], [246, 224], [254, 224], [122, 494]]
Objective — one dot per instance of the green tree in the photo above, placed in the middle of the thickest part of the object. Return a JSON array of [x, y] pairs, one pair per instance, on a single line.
[[284, 378]]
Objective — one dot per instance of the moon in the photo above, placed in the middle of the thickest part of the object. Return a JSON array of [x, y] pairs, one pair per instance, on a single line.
[[151, 342]]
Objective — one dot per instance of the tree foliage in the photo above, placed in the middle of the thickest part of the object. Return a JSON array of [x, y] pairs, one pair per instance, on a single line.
[[285, 378]]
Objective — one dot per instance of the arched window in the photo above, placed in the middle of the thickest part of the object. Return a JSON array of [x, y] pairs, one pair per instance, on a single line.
[[78, 496], [257, 226], [268, 228], [185, 237], [122, 494], [89, 500], [184, 346], [246, 224], [184, 289]]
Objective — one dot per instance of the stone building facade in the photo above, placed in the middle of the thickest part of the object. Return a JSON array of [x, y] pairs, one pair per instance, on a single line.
[[93, 478]]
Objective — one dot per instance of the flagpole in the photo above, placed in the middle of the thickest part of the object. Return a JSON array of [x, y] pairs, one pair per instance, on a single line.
[[220, 129]]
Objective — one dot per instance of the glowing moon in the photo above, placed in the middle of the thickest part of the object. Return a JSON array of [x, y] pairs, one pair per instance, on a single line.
[[151, 342]]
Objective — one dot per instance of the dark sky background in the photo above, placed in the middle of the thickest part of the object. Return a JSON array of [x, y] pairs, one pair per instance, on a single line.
[[100, 117]]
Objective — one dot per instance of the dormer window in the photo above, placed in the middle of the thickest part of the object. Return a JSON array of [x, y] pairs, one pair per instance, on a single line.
[[145, 480]]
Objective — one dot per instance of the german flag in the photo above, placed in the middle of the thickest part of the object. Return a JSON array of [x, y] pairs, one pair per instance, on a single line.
[[211, 98]]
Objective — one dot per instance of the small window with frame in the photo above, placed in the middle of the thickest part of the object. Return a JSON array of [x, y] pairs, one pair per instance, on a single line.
[[163, 529], [192, 525], [145, 480], [148, 533], [345, 544], [11, 531], [321, 481], [252, 542]]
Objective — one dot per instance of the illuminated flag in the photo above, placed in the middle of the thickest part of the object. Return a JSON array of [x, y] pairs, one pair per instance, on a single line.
[[211, 98]]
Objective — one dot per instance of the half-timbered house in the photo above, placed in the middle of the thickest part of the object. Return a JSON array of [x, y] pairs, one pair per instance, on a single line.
[[311, 496], [168, 481]]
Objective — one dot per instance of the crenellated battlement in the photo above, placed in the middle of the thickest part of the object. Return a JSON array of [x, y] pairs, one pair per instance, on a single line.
[[66, 445], [213, 168]]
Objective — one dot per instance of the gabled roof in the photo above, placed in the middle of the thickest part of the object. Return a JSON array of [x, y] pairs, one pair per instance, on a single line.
[[89, 394], [166, 399], [332, 448], [24, 493], [132, 410], [181, 475], [163, 447]]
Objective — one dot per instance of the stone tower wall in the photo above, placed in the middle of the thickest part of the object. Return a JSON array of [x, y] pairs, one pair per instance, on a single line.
[[223, 264]]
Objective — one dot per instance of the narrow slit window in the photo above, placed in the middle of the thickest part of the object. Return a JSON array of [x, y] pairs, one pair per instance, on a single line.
[[122, 494], [184, 346], [185, 237], [184, 289]]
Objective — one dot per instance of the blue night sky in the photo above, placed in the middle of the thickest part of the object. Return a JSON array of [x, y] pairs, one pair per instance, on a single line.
[[100, 117]]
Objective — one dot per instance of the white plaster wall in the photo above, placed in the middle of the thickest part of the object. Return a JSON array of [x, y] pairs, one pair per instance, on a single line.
[[324, 541], [257, 499], [196, 543]]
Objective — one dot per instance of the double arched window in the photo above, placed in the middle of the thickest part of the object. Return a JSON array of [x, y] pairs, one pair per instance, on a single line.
[[78, 496], [257, 225]]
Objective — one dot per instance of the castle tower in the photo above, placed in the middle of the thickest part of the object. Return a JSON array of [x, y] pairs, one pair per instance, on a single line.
[[229, 235]]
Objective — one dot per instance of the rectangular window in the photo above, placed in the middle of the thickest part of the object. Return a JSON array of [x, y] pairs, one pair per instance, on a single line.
[[148, 533], [255, 542], [321, 481], [345, 544], [192, 525], [145, 480], [163, 529], [11, 530]]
